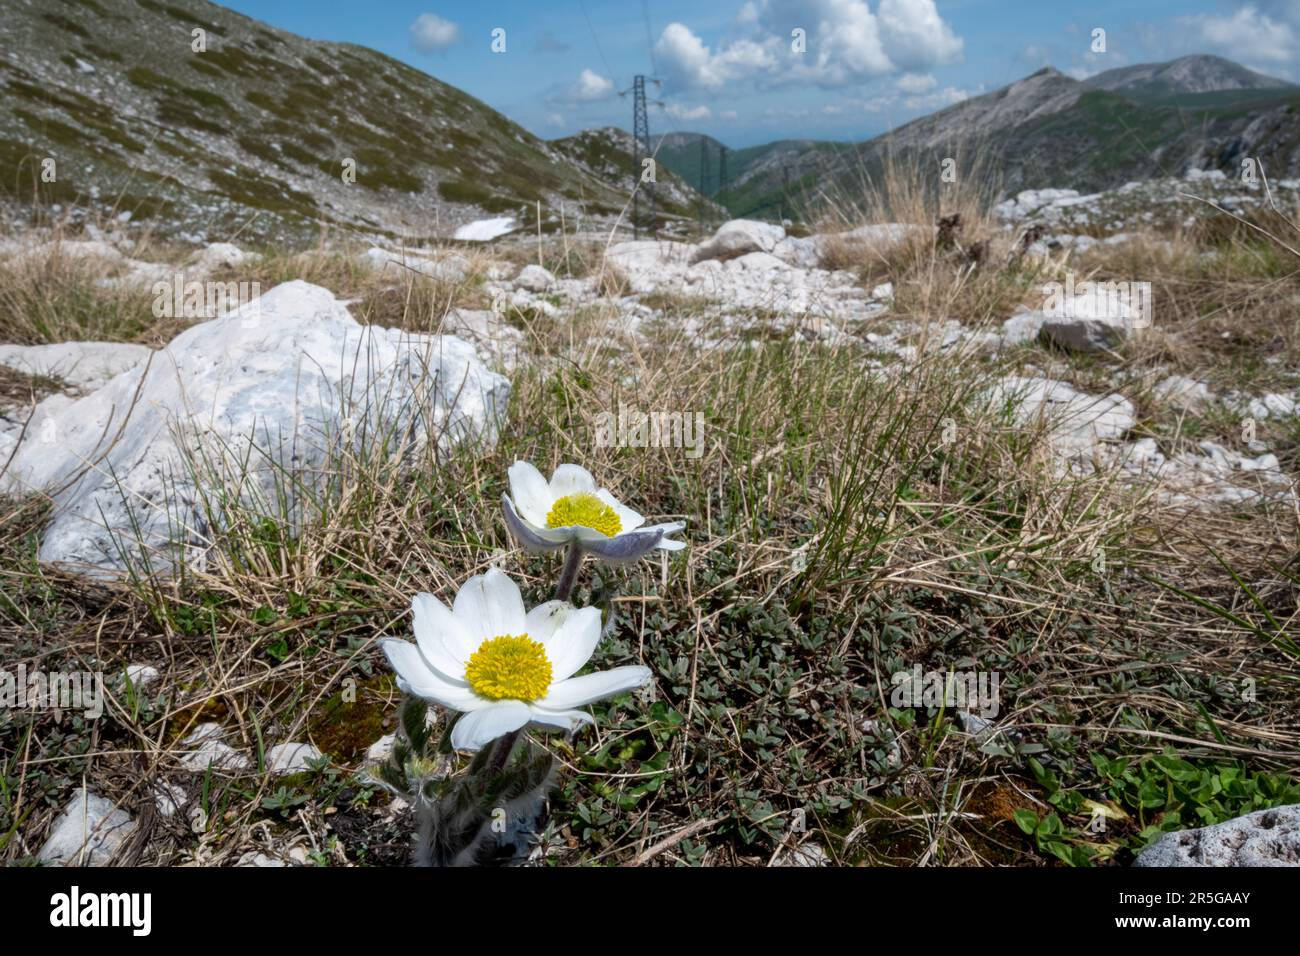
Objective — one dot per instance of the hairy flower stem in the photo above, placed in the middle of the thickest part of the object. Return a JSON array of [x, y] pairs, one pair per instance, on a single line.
[[569, 573], [501, 752], [425, 815]]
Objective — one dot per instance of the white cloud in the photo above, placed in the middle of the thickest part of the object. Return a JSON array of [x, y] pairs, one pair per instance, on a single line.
[[844, 39], [688, 113], [688, 64], [431, 33], [589, 87], [729, 115], [916, 83], [846, 43], [554, 119], [1265, 32], [915, 35], [1247, 31]]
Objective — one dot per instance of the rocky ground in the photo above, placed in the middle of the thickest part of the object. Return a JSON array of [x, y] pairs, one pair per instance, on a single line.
[[182, 465]]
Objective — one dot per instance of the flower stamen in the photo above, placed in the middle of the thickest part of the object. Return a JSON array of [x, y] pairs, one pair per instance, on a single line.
[[509, 668], [584, 508]]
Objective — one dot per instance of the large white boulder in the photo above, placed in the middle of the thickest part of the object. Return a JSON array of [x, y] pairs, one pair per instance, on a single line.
[[270, 388], [738, 237]]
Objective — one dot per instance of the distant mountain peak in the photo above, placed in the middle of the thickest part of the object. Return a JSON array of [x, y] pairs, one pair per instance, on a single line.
[[1048, 129], [1195, 73]]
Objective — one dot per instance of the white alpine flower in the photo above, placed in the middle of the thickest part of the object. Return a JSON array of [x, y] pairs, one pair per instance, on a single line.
[[504, 669], [546, 515]]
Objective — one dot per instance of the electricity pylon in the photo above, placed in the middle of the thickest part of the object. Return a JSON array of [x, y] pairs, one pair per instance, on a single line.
[[640, 152]]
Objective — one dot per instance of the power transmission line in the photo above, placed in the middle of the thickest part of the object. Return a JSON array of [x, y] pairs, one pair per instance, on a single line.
[[649, 38], [595, 39]]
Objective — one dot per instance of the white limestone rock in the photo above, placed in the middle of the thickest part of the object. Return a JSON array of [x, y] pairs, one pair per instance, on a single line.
[[738, 237], [221, 255], [810, 854], [141, 676], [1262, 838], [801, 252], [1183, 392], [169, 798], [1273, 405], [209, 749], [1076, 423], [434, 264], [88, 832], [495, 339], [381, 749], [291, 374], [534, 278], [254, 858], [290, 758], [84, 366], [1023, 327], [1094, 319]]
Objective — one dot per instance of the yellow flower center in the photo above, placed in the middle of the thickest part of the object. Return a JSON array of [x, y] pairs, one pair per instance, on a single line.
[[585, 509], [509, 668]]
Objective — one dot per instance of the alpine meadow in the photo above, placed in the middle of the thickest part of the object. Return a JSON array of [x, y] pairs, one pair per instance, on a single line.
[[791, 434]]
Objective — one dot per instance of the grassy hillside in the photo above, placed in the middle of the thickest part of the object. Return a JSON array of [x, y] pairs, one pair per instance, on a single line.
[[251, 135], [607, 152]]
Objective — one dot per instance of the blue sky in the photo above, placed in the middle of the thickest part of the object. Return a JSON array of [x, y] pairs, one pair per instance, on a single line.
[[730, 68]]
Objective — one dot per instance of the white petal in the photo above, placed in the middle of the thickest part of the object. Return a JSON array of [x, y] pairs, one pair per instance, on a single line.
[[561, 535], [443, 640], [534, 539], [544, 619], [416, 677], [486, 724], [570, 479], [531, 493], [489, 605], [579, 691], [565, 720], [571, 644], [668, 527], [628, 519]]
